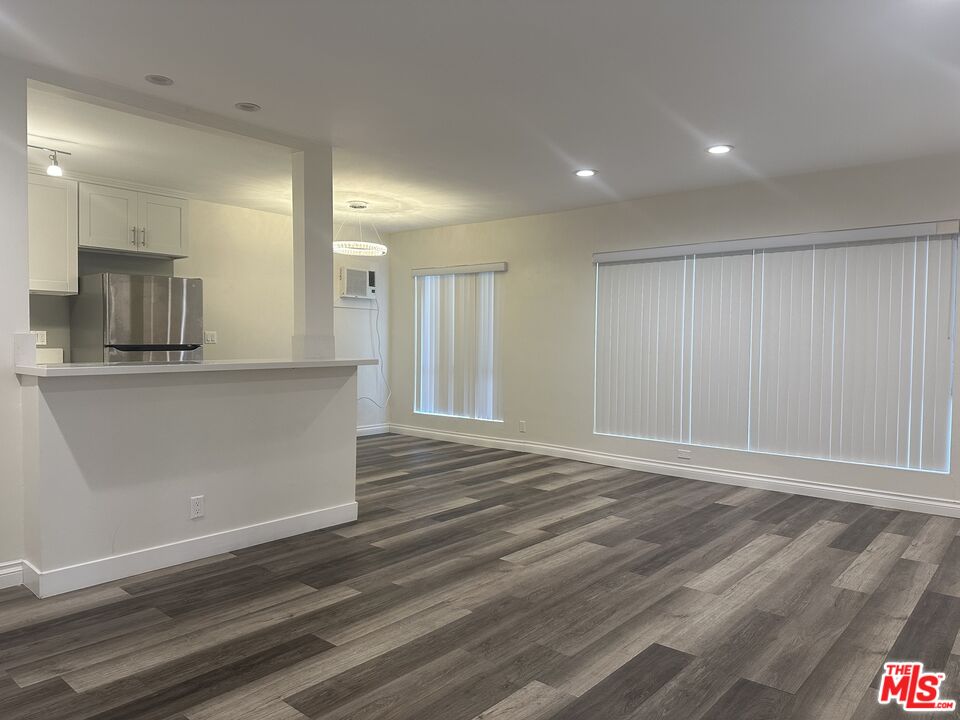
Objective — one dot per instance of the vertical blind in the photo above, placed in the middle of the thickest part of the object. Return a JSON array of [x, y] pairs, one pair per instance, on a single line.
[[832, 351], [456, 361]]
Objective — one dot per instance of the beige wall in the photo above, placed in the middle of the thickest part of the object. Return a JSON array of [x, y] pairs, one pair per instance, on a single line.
[[548, 301], [356, 322], [52, 313], [245, 258]]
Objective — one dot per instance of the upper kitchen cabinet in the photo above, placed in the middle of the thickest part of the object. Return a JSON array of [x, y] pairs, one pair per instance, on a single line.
[[108, 218], [125, 220], [163, 225], [53, 231]]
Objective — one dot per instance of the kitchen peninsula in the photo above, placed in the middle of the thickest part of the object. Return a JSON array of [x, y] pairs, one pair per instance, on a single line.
[[115, 457]]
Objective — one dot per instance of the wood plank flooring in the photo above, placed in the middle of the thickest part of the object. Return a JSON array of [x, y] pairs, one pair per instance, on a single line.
[[481, 583]]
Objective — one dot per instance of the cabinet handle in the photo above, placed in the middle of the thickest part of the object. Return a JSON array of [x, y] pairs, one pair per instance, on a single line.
[[133, 240], [143, 236]]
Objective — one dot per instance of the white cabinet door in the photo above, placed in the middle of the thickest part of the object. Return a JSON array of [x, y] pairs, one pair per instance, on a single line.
[[108, 218], [163, 225], [52, 226]]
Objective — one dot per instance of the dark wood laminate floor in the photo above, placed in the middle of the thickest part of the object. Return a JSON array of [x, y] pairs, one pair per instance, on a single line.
[[488, 584]]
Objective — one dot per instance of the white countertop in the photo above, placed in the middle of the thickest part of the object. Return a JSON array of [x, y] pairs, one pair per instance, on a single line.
[[81, 369]]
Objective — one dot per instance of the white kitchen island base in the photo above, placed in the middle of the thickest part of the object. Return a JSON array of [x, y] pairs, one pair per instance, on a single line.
[[112, 460]]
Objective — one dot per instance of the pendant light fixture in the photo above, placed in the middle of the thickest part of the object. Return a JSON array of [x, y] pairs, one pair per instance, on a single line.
[[53, 169], [359, 246]]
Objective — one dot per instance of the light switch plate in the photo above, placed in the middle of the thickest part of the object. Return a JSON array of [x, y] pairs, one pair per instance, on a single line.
[[209, 337]]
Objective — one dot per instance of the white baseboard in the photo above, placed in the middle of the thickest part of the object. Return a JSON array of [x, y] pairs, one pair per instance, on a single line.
[[896, 501], [45, 583], [364, 430], [11, 574]]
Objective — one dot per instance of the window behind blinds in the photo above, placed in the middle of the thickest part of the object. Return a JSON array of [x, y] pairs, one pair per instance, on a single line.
[[456, 369], [832, 351]]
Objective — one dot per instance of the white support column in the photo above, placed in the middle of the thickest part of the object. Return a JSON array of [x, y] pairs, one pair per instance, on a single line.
[[14, 300], [313, 253]]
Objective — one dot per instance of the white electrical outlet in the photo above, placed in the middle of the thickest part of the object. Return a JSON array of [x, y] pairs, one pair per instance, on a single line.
[[41, 337], [523, 426], [196, 507], [209, 337]]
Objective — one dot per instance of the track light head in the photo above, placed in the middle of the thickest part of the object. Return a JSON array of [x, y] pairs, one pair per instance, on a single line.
[[54, 169]]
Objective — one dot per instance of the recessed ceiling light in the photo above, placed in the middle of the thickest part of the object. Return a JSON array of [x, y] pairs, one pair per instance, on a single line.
[[358, 204], [158, 79], [719, 149], [585, 173], [247, 106]]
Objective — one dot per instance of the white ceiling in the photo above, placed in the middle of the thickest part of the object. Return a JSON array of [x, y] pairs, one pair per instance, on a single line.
[[109, 144], [461, 110]]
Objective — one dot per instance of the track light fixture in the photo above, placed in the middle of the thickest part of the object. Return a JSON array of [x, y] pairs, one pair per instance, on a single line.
[[53, 169]]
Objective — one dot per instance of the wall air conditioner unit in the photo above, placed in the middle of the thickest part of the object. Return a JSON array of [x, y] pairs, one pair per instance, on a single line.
[[357, 283]]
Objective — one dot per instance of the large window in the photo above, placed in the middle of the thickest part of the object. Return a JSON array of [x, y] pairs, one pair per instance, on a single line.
[[836, 346], [456, 342]]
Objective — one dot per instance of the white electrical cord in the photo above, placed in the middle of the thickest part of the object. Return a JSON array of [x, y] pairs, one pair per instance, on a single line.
[[386, 384]]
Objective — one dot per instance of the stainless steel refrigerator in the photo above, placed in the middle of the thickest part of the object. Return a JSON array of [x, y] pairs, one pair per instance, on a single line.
[[119, 318]]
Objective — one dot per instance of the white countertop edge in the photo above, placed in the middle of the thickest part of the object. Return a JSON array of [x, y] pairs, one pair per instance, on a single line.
[[82, 369]]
